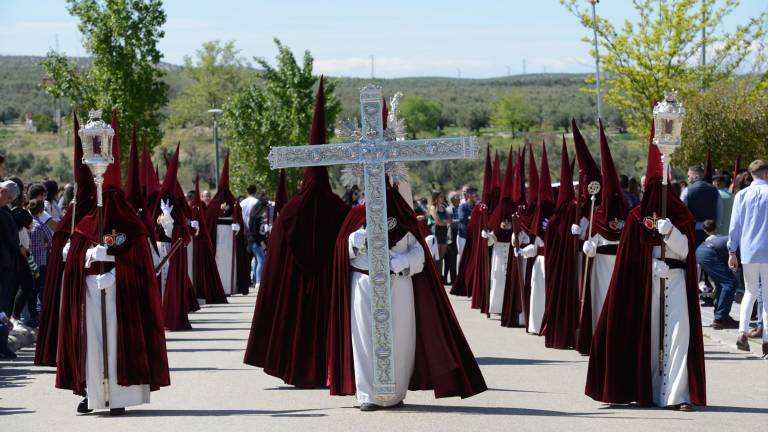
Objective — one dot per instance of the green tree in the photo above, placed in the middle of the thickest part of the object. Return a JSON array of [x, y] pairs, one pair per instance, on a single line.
[[512, 113], [420, 115], [274, 109], [719, 120], [121, 37], [660, 50], [216, 73]]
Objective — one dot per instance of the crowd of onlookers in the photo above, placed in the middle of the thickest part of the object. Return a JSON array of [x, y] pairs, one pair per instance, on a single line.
[[29, 215]]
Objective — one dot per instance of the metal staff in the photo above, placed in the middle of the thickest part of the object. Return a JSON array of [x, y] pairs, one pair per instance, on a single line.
[[520, 281], [663, 256], [96, 139], [233, 267], [593, 188]]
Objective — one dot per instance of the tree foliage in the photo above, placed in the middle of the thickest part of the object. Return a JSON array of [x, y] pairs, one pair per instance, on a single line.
[[730, 120], [274, 109], [121, 37], [216, 73], [661, 49], [512, 113], [420, 115]]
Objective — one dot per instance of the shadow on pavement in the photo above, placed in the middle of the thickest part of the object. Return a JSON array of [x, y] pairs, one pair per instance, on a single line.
[[511, 411], [218, 413], [12, 411], [508, 361]]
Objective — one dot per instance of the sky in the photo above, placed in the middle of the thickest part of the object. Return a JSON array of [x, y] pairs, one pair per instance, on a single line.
[[467, 39]]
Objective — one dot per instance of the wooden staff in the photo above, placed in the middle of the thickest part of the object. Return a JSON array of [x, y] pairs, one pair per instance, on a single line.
[[520, 281], [175, 247]]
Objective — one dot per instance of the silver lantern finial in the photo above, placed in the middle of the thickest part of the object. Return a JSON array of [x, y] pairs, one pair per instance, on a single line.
[[668, 125], [96, 137]]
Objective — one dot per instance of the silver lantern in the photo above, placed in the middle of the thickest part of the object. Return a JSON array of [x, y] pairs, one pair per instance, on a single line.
[[668, 124], [96, 137]]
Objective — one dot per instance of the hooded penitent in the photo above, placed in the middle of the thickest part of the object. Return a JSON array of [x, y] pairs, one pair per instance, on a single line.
[[141, 353], [506, 207], [225, 205], [561, 314], [281, 195], [443, 360], [471, 263], [205, 274], [620, 361], [84, 202], [178, 294], [289, 325], [515, 298], [708, 166]]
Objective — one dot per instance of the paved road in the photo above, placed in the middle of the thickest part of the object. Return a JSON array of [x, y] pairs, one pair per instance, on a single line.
[[531, 388]]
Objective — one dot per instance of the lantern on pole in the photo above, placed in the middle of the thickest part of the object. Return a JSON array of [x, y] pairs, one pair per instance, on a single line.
[[96, 138], [668, 125]]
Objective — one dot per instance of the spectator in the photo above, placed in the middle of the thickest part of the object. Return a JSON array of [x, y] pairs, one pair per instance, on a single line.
[[41, 238], [438, 214], [257, 238], [38, 192], [712, 256], [2, 167], [748, 235], [721, 183], [703, 200], [52, 201], [632, 199], [66, 196], [5, 352], [634, 190], [206, 197], [190, 197], [742, 181], [248, 203], [465, 210], [9, 246], [452, 252], [352, 196], [26, 268]]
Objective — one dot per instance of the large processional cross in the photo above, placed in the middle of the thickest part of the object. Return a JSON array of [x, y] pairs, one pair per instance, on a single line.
[[373, 151]]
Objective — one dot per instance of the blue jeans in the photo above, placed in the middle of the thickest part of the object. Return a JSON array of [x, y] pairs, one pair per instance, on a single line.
[[724, 278], [257, 263]]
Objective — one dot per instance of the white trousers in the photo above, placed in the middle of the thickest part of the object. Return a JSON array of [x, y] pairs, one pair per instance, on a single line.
[[755, 284]]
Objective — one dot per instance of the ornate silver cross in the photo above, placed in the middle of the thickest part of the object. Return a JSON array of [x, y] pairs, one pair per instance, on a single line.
[[373, 151]]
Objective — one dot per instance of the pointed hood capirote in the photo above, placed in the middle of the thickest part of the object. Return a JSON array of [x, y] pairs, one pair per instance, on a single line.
[[588, 170], [518, 185], [610, 215], [289, 324], [487, 176], [505, 208], [566, 194], [545, 204], [708, 166], [113, 177], [281, 194]]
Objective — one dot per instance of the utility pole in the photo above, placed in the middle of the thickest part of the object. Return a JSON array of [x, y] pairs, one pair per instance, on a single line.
[[597, 61]]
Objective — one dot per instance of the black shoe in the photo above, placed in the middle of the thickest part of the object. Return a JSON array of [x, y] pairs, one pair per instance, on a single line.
[[117, 411], [742, 343], [369, 407], [8, 354], [398, 405], [82, 407], [725, 324]]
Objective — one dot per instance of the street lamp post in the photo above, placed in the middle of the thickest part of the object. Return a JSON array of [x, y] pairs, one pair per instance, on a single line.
[[216, 112], [597, 60]]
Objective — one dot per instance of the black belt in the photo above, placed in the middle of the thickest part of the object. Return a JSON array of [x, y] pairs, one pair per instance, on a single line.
[[365, 272], [609, 249], [675, 264]]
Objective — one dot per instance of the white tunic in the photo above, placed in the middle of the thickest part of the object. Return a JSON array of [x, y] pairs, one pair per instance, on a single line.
[[119, 396], [499, 261], [163, 248], [600, 276], [403, 321], [225, 258], [671, 387], [538, 292]]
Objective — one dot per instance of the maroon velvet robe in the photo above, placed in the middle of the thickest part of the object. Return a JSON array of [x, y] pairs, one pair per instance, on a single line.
[[443, 361], [206, 279]]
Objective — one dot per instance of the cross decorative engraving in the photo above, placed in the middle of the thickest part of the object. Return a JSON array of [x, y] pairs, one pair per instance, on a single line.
[[373, 151]]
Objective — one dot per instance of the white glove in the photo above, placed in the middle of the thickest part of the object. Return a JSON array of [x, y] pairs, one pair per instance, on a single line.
[[664, 226], [398, 263], [96, 254], [589, 248], [196, 225], [488, 235], [235, 228], [358, 239], [166, 221], [265, 228], [65, 252], [529, 251], [575, 230], [660, 269], [524, 239], [106, 280], [166, 207]]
